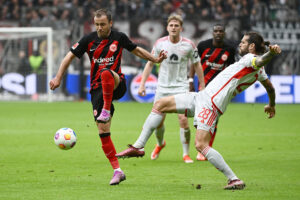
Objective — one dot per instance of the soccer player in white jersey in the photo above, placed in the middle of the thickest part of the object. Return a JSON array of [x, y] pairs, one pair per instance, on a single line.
[[172, 79], [207, 105]]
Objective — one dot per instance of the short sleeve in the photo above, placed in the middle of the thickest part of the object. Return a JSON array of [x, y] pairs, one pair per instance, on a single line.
[[262, 75], [127, 43], [80, 47], [194, 55]]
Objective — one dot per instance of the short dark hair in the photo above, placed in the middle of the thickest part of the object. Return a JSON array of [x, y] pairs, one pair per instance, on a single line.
[[222, 25], [103, 11], [258, 41]]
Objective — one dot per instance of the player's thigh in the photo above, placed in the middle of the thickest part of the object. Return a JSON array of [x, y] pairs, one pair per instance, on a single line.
[[116, 78], [165, 104], [185, 103]]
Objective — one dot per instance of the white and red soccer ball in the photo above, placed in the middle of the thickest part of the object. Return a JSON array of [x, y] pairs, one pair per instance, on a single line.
[[65, 138]]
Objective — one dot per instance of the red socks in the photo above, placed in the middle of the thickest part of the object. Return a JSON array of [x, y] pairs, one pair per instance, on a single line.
[[108, 84], [109, 150]]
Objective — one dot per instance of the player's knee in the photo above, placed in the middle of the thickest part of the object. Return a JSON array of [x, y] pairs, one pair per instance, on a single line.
[[199, 145], [158, 105], [183, 121], [106, 73]]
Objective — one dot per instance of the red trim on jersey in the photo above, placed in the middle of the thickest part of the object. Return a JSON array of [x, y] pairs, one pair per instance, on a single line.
[[90, 46], [97, 53], [244, 84], [214, 54], [204, 53], [243, 72]]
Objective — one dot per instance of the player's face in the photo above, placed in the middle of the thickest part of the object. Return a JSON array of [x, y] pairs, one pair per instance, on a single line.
[[174, 28], [244, 46], [103, 26], [218, 33]]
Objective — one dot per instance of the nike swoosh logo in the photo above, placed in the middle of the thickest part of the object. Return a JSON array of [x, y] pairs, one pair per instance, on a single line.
[[93, 49], [207, 55]]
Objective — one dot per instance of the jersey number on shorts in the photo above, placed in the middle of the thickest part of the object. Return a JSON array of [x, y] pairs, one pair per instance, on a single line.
[[207, 114]]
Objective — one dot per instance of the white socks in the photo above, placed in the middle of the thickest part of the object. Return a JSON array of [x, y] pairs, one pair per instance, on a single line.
[[217, 160], [152, 122], [185, 136]]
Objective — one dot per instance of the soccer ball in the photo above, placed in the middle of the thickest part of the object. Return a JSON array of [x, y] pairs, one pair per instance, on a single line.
[[65, 138]]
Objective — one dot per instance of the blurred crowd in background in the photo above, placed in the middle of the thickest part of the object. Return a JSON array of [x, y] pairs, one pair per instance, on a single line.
[[60, 14]]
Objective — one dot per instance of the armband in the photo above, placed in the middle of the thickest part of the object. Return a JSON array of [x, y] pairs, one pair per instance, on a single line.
[[191, 80], [253, 63]]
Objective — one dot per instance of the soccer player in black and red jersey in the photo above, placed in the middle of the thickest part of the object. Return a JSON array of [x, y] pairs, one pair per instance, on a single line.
[[216, 54], [104, 48]]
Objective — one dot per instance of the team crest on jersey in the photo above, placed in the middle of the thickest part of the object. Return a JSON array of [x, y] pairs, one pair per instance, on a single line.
[[95, 112], [224, 57], [113, 47], [75, 45]]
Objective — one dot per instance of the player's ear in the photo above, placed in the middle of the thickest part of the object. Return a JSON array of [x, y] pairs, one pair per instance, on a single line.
[[252, 47], [110, 23]]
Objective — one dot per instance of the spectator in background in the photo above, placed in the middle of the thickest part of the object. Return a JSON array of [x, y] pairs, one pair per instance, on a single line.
[[24, 66], [36, 62]]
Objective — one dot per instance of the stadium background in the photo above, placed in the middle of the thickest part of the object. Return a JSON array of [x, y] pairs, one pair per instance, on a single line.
[[144, 21]]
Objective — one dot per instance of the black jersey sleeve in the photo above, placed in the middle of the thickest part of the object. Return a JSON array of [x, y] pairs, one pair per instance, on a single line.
[[80, 47], [127, 43]]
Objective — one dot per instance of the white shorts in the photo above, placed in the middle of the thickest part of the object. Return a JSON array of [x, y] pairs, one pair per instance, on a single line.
[[160, 94], [185, 103], [206, 115]]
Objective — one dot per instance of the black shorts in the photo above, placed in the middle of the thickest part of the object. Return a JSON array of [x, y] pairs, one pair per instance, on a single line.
[[97, 98]]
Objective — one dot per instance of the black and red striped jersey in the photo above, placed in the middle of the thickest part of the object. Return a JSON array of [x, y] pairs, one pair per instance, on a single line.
[[103, 53], [214, 59]]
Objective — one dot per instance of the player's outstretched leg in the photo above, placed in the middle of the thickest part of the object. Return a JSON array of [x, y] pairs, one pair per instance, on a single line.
[[137, 149], [201, 157], [216, 159]]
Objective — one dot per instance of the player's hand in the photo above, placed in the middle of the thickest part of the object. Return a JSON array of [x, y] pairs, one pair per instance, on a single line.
[[142, 91], [270, 110], [275, 49], [191, 86], [162, 56], [54, 83]]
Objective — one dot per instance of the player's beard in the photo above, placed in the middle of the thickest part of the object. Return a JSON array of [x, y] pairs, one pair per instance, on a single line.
[[243, 52]]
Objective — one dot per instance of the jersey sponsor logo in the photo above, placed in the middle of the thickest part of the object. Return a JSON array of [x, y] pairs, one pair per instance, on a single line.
[[104, 61], [214, 66], [150, 86], [174, 59], [113, 47], [75, 45], [224, 57]]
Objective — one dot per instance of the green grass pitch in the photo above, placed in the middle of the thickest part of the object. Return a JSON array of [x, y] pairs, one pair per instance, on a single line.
[[265, 153]]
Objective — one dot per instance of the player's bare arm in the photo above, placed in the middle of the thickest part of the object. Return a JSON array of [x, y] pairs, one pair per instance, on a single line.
[[191, 79], [144, 54], [55, 82], [266, 57], [270, 108], [145, 75], [198, 68]]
